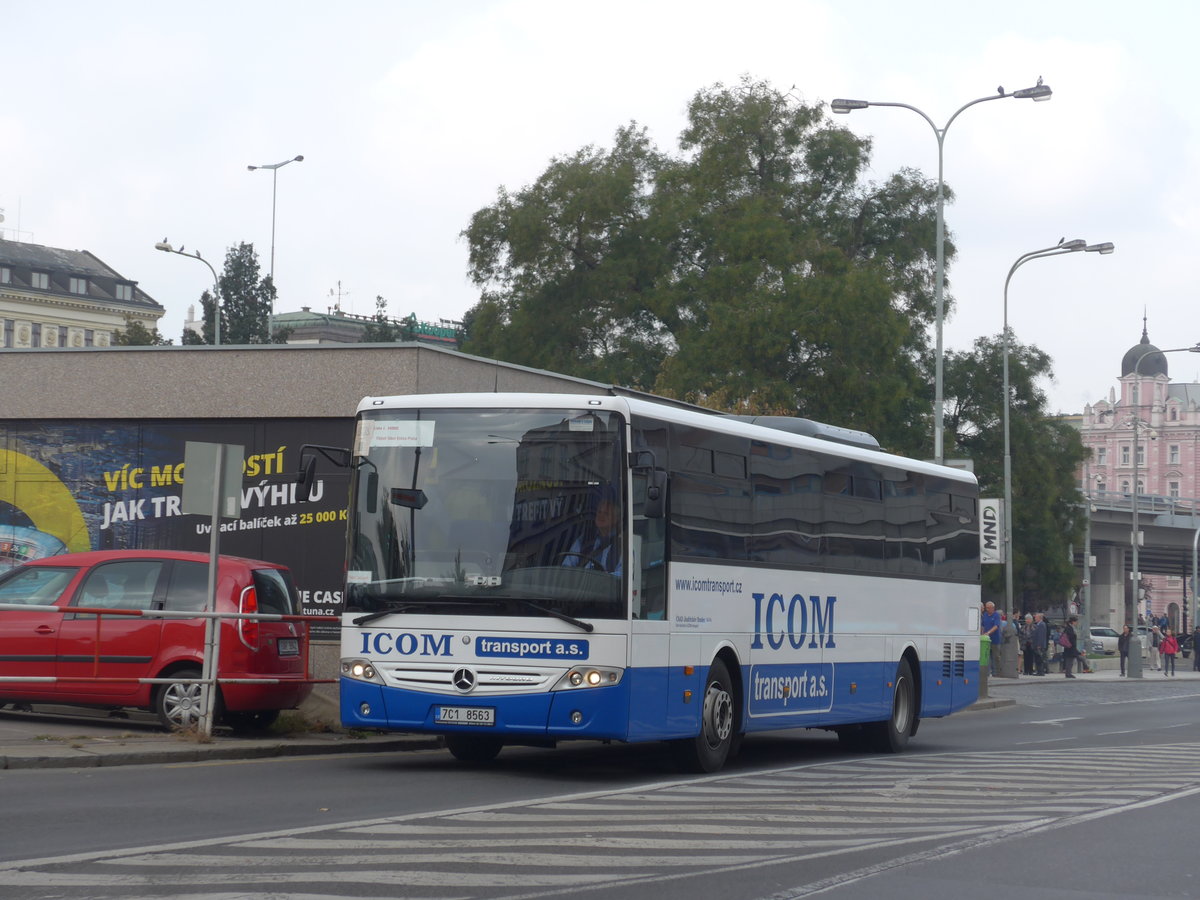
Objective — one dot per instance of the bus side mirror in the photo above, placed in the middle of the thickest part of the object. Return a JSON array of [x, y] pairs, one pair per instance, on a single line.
[[656, 494], [306, 478]]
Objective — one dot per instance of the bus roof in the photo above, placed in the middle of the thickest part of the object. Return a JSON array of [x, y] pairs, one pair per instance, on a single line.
[[813, 436]]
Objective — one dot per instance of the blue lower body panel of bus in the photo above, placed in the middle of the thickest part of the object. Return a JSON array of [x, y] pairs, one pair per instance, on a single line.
[[657, 703], [602, 712]]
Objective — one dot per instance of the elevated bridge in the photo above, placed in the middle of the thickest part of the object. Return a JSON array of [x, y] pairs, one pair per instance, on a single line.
[[1168, 525]]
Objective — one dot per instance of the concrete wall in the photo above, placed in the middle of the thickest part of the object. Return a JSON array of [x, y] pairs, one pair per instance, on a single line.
[[246, 381], [249, 382]]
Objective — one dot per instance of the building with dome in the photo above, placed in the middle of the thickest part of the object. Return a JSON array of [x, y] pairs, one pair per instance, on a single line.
[[1164, 458]]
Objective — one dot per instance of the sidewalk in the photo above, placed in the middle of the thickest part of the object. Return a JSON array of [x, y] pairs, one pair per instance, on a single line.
[[71, 737], [1100, 673]]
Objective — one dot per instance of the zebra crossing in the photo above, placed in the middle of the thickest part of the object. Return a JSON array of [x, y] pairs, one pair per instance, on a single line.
[[603, 843]]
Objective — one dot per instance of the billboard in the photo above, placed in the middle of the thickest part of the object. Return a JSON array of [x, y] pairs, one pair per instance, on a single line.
[[105, 484]]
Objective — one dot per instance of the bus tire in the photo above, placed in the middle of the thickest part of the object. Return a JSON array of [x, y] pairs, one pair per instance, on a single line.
[[709, 749], [473, 748], [891, 735]]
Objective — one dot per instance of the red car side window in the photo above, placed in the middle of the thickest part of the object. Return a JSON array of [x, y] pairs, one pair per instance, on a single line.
[[128, 584]]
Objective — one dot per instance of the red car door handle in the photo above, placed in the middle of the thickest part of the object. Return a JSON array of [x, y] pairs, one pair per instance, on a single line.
[[44, 629]]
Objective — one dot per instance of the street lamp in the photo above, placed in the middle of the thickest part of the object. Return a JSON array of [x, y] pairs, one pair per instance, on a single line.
[[274, 167], [1060, 249], [1131, 605], [166, 247], [1037, 93]]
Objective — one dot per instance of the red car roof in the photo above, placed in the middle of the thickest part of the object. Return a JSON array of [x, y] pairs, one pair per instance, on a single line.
[[91, 557]]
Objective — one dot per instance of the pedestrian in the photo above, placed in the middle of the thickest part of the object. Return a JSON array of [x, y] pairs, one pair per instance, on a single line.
[[1155, 648], [1196, 648], [1027, 654], [1055, 646], [1070, 645], [1123, 646], [1041, 637], [1169, 647], [989, 626]]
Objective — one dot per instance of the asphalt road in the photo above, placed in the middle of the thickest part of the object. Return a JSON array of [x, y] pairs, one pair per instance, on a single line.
[[1082, 788]]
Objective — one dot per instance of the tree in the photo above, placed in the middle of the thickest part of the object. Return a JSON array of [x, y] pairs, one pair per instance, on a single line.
[[138, 335], [751, 271], [208, 308], [1046, 452], [564, 264], [381, 329], [246, 298], [246, 303]]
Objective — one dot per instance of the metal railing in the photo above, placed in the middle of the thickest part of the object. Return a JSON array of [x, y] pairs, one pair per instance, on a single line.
[[210, 668]]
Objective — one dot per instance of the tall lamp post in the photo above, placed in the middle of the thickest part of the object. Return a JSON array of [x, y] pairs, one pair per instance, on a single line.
[[274, 167], [1038, 92], [1131, 605], [1060, 249], [165, 246]]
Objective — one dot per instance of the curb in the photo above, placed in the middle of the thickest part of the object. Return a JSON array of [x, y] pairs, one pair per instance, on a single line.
[[85, 758]]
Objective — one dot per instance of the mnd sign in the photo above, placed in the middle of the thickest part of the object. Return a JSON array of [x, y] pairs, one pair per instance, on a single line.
[[991, 531]]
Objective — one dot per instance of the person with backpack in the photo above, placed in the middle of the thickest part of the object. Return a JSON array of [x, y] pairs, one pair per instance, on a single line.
[[1169, 647]]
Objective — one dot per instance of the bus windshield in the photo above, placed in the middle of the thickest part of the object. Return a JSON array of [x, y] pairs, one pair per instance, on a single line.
[[488, 512]]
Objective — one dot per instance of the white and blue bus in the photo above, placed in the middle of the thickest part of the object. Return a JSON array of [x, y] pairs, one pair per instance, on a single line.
[[535, 568]]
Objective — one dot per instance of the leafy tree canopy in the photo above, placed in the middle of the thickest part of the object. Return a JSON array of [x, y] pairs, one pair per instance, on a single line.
[[753, 269], [383, 329], [138, 335], [1046, 453], [245, 303]]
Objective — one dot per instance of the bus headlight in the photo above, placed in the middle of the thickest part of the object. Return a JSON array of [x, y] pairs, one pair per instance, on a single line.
[[361, 670], [589, 677]]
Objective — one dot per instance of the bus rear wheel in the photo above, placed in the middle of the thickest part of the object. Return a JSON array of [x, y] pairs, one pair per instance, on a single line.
[[472, 748], [708, 750], [891, 735]]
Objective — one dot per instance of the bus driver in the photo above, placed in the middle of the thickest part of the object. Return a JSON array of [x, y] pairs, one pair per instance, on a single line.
[[599, 547]]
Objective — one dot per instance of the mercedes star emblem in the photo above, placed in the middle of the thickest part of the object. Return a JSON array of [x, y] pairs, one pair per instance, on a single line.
[[464, 680]]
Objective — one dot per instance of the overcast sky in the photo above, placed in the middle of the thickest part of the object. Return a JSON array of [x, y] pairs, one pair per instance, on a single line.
[[124, 123]]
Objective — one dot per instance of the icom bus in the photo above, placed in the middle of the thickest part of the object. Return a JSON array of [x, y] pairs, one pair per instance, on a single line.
[[535, 568]]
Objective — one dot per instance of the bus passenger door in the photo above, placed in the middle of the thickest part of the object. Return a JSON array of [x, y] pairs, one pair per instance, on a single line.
[[650, 642]]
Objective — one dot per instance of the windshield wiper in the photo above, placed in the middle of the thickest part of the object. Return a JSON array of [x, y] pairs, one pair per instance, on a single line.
[[371, 617], [432, 601], [571, 620]]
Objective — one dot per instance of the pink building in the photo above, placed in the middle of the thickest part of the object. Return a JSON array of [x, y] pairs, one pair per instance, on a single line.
[[1167, 447]]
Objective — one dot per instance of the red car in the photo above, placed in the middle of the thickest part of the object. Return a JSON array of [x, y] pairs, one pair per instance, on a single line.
[[81, 645]]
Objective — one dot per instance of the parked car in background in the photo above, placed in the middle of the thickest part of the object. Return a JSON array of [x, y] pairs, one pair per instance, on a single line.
[[1102, 639], [82, 649]]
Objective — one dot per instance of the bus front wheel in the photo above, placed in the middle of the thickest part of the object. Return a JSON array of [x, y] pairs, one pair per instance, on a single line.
[[708, 750]]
